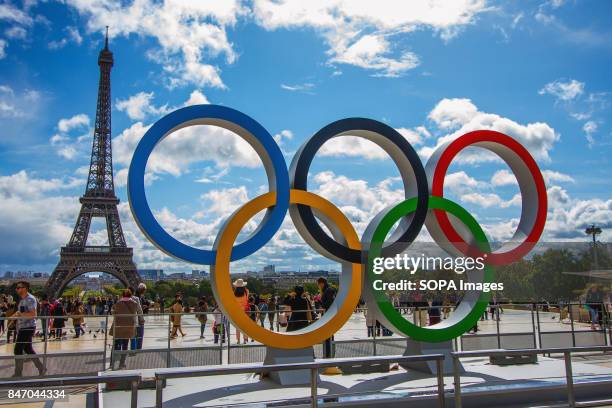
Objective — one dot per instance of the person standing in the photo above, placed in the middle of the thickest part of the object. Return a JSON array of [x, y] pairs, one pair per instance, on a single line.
[[241, 296], [435, 310], [78, 319], [271, 311], [301, 314], [3, 310], [202, 314], [328, 295], [124, 311], [45, 312], [59, 320], [11, 324], [136, 342], [26, 326], [253, 311], [594, 301], [218, 323]]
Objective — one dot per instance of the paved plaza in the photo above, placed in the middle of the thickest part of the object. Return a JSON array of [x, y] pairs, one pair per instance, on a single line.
[[156, 331], [247, 390]]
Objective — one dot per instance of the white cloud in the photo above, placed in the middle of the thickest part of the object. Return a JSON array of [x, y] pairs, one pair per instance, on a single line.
[[369, 52], [580, 115], [189, 34], [589, 129], [72, 35], [16, 32], [359, 200], [564, 91], [569, 217], [283, 135], [355, 146], [70, 147], [506, 178], [67, 152], [557, 197], [414, 136], [360, 34], [461, 182], [352, 146], [184, 147], [2, 48], [551, 176], [10, 13], [21, 104], [224, 202], [180, 149], [487, 200], [138, 106], [76, 121], [503, 178], [306, 87], [452, 113], [21, 184], [197, 98], [462, 116]]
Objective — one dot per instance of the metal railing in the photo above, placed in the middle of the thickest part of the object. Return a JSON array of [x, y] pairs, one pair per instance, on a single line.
[[536, 330], [133, 379], [314, 367], [569, 376]]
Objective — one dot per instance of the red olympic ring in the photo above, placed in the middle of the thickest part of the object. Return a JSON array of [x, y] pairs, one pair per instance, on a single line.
[[486, 138]]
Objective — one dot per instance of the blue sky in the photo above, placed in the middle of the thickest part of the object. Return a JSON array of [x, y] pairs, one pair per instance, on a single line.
[[536, 70]]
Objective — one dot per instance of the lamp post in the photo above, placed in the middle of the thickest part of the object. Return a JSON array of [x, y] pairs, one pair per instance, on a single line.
[[594, 231]]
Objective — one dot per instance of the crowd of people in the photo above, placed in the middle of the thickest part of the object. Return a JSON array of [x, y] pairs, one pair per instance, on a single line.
[[294, 311]]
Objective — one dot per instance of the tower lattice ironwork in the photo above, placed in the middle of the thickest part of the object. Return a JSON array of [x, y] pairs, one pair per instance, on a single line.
[[99, 200]]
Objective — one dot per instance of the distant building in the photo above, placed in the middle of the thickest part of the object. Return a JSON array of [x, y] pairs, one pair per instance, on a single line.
[[269, 270], [176, 276], [198, 273], [151, 274]]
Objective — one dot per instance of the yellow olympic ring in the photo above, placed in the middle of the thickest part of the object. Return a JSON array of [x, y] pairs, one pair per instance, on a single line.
[[325, 326]]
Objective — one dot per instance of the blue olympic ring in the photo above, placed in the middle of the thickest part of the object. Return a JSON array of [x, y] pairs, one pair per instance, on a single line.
[[230, 119]]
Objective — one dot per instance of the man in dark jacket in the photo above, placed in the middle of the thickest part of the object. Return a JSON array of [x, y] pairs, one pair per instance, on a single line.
[[328, 295]]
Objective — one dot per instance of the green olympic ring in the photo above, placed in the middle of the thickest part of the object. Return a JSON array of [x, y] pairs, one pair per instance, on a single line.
[[466, 314]]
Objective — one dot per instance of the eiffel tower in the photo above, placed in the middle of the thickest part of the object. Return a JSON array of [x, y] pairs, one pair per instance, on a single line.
[[99, 200]]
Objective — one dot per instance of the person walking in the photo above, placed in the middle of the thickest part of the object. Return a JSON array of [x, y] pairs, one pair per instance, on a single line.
[[202, 314], [176, 311], [263, 311], [125, 312], [25, 326]]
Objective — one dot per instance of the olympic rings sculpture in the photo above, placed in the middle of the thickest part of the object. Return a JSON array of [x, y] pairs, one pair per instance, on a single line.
[[424, 204]]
